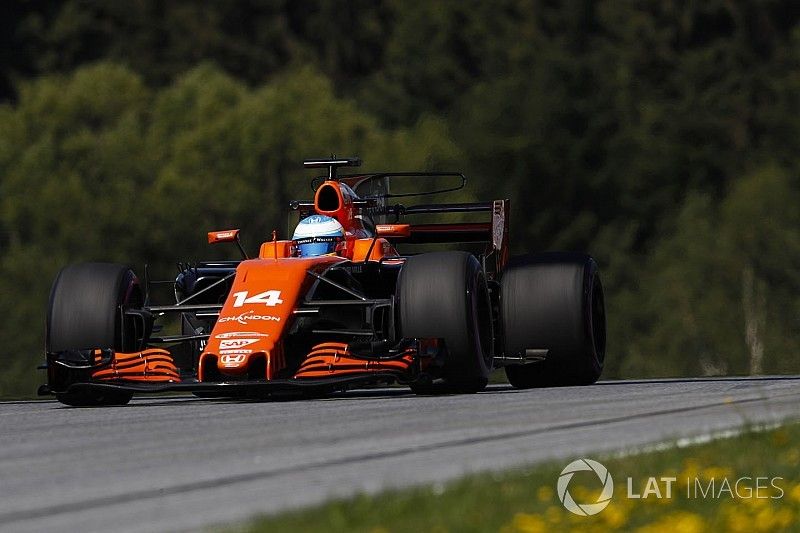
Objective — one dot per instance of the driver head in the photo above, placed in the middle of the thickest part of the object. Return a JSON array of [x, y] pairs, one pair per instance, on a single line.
[[317, 235]]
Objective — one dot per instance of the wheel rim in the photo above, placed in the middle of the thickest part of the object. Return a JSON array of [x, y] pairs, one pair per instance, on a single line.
[[483, 319], [598, 320]]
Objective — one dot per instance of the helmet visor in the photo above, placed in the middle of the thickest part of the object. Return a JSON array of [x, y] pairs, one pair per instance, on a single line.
[[316, 246]]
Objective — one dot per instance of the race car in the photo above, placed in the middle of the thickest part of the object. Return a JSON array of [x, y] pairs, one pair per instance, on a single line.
[[336, 306]]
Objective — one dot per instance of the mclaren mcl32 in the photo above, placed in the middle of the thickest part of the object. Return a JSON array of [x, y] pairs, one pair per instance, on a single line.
[[359, 314]]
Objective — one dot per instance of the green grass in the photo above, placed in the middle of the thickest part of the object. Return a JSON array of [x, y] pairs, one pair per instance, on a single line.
[[526, 500]]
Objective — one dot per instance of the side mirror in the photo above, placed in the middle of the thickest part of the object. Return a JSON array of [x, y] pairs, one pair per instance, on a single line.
[[228, 235]]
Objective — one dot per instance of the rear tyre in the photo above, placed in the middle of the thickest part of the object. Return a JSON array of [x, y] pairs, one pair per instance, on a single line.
[[554, 301], [85, 312], [444, 295]]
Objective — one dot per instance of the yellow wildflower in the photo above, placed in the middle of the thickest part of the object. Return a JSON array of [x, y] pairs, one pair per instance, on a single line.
[[681, 522], [529, 523], [794, 493]]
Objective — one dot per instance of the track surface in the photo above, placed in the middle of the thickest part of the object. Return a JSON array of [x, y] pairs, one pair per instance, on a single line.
[[184, 463]]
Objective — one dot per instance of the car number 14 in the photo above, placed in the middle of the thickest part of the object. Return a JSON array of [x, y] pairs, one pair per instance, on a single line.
[[268, 298]]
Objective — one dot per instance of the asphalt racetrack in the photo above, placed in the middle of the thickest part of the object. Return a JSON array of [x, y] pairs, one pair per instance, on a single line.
[[184, 463]]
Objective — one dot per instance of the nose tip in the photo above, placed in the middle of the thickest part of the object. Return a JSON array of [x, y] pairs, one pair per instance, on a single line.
[[227, 360], [232, 363]]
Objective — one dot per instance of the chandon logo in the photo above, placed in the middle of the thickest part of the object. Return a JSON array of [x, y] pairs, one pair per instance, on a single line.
[[585, 509], [244, 318]]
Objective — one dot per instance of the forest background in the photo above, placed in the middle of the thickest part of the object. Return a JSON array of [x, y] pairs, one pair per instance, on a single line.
[[661, 136]]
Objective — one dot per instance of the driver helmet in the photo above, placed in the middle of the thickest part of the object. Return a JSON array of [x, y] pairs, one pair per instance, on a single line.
[[317, 235]]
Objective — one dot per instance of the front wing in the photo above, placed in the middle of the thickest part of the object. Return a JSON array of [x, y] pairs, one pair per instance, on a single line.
[[328, 368], [258, 388]]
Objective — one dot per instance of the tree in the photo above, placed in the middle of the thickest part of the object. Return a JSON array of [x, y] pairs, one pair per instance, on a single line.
[[95, 166]]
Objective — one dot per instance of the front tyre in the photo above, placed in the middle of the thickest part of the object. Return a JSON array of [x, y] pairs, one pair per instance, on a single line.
[[554, 301], [86, 312], [444, 295]]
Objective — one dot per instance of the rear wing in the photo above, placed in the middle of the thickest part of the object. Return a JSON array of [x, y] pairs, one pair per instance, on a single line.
[[493, 233]]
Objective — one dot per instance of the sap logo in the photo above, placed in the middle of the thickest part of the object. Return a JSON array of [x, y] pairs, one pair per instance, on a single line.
[[236, 343]]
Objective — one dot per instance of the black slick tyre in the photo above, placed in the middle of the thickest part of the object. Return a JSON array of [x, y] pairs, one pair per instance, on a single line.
[[553, 301], [443, 295], [85, 313]]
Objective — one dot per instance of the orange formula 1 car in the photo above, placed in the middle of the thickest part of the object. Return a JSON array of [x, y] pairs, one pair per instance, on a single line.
[[335, 307]]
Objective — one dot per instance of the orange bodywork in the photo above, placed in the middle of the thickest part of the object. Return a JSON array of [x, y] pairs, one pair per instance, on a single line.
[[152, 365], [333, 358], [393, 230], [260, 307], [276, 250], [261, 304], [251, 324], [258, 310], [376, 248], [335, 199]]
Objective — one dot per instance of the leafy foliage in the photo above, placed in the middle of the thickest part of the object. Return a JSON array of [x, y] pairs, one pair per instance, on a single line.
[[662, 137], [105, 169]]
